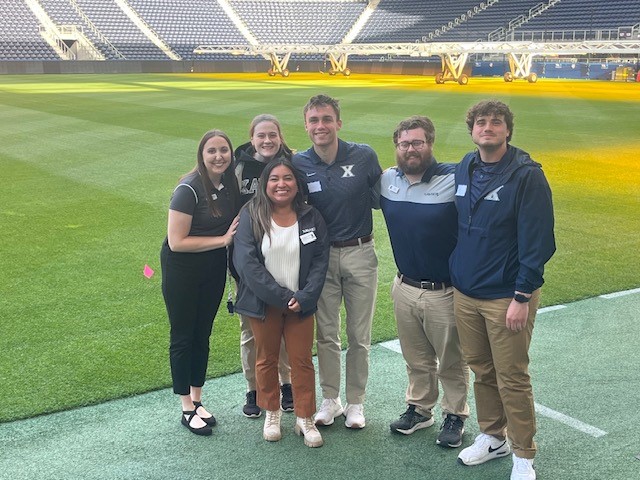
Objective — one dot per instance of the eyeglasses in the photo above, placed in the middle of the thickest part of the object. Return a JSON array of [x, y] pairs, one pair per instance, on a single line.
[[416, 144]]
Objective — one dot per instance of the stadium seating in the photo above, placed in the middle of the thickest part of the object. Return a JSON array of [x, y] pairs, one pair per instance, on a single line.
[[587, 16], [20, 38], [63, 13], [186, 24], [410, 20], [484, 22], [114, 24], [288, 22]]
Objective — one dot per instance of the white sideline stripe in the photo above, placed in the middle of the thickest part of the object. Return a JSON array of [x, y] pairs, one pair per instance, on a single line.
[[620, 294], [570, 421], [551, 308], [393, 345], [576, 424]]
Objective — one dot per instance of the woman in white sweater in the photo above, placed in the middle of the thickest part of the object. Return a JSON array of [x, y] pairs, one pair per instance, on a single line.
[[281, 253]]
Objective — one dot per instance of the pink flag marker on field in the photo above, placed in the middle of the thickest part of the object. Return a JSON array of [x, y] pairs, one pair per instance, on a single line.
[[148, 271]]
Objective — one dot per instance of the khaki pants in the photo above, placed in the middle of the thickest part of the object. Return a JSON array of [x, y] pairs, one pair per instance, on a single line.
[[431, 349], [352, 275], [298, 337], [499, 359], [248, 356]]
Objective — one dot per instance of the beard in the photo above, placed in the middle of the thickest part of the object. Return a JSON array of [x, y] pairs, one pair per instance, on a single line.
[[408, 164]]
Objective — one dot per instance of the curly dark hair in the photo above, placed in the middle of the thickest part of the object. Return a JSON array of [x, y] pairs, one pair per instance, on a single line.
[[490, 108]]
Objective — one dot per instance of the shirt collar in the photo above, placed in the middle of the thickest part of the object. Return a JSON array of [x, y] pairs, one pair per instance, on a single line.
[[341, 155], [498, 167]]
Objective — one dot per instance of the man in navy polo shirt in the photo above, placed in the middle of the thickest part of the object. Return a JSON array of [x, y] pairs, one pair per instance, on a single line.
[[417, 199], [341, 181]]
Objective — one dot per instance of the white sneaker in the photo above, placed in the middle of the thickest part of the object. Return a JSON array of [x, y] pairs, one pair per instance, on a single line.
[[354, 414], [329, 410], [522, 469], [306, 427], [484, 448], [271, 431]]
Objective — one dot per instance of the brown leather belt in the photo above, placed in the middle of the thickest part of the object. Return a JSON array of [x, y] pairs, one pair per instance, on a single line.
[[424, 284], [353, 243]]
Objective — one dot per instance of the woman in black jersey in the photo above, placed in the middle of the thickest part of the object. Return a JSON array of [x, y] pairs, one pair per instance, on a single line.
[[266, 144], [202, 222]]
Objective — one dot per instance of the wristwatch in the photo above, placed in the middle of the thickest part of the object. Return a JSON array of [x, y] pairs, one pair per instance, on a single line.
[[520, 298]]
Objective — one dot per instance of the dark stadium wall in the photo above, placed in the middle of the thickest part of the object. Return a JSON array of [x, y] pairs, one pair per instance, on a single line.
[[593, 71], [206, 66]]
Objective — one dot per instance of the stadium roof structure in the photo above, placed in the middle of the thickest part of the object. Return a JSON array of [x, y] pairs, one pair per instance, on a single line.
[[453, 55]]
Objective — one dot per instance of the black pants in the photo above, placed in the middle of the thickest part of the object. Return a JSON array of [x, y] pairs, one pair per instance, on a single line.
[[192, 286]]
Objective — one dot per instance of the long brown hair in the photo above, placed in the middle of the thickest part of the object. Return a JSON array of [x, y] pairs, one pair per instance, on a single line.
[[260, 206], [228, 176]]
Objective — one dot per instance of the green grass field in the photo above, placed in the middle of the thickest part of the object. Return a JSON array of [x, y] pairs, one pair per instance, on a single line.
[[89, 163]]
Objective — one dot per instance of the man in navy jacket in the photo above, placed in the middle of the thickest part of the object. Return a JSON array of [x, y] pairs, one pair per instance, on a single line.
[[505, 237]]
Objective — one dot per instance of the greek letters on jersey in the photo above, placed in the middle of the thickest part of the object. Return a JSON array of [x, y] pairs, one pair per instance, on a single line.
[[248, 171], [315, 185], [348, 171], [249, 186]]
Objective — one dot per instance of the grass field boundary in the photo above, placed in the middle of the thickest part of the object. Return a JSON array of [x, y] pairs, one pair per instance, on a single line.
[[620, 294]]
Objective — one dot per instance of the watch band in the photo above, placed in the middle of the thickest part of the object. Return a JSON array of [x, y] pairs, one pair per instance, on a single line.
[[518, 297]]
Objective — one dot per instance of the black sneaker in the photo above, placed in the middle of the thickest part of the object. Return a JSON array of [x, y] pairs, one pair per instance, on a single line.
[[251, 409], [410, 421], [451, 431], [286, 402]]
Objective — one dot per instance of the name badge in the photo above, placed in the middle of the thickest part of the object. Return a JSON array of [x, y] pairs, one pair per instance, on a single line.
[[393, 189], [314, 187], [462, 191], [307, 238]]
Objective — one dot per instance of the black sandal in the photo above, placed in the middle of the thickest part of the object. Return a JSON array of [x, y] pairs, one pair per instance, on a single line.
[[211, 421], [206, 430]]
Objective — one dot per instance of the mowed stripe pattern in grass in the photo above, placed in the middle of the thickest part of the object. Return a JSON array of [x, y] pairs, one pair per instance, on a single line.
[[89, 163]]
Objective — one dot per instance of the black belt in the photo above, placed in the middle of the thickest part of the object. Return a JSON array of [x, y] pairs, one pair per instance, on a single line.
[[354, 242], [424, 284]]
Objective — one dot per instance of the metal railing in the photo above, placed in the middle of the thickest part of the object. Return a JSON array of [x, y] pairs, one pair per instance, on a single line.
[[52, 35], [564, 35], [459, 20], [95, 30]]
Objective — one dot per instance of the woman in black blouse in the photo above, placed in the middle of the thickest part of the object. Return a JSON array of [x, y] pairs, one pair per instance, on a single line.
[[202, 221]]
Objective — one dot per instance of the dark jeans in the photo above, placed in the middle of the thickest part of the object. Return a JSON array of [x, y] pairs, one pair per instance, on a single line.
[[192, 286]]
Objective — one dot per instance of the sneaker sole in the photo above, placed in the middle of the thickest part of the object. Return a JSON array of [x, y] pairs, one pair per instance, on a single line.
[[252, 415], [326, 423], [355, 426], [287, 409], [272, 438], [417, 426], [450, 445], [488, 458]]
